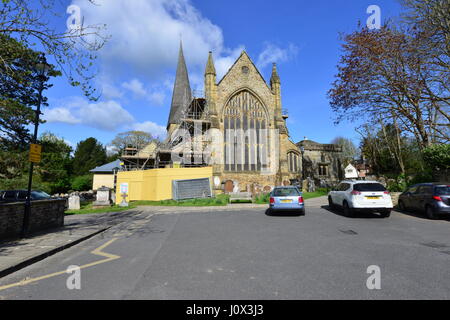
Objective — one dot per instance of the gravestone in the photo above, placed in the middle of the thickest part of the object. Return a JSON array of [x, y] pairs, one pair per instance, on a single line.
[[305, 185], [103, 197], [311, 185], [74, 201], [124, 202]]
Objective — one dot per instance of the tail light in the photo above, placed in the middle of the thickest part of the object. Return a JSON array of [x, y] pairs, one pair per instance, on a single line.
[[437, 198], [387, 192], [355, 193], [300, 200], [272, 200]]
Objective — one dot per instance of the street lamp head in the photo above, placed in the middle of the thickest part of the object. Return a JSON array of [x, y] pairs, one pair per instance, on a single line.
[[42, 67]]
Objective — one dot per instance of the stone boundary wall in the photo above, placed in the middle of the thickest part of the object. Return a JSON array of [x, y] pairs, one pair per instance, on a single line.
[[44, 214]]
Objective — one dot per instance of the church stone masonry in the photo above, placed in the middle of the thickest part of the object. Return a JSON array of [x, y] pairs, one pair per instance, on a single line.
[[243, 100]]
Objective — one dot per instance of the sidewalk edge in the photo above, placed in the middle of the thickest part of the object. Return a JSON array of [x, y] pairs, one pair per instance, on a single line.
[[47, 254]]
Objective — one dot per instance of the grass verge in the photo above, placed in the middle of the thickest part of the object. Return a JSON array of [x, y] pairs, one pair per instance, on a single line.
[[219, 200], [87, 209]]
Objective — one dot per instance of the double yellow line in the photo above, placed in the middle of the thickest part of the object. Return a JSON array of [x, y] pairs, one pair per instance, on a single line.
[[109, 257]]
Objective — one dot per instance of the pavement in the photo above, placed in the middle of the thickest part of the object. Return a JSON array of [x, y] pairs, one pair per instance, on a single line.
[[19, 253], [217, 253]]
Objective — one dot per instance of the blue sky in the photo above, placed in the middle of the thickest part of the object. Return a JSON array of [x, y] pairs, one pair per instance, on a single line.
[[137, 66]]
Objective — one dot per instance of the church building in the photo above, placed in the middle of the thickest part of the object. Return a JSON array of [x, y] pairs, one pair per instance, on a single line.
[[237, 126]]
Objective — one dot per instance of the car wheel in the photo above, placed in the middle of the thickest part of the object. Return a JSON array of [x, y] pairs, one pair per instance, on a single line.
[[302, 213], [386, 214], [348, 212], [401, 206], [330, 203], [430, 214], [269, 212]]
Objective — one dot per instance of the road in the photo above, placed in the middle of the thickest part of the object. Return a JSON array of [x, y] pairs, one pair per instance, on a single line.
[[245, 254]]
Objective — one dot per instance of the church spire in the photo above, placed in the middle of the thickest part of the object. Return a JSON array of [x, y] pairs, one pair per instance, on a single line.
[[182, 94], [275, 78], [210, 69]]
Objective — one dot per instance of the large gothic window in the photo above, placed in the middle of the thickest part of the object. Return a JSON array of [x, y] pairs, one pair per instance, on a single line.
[[293, 162], [246, 134]]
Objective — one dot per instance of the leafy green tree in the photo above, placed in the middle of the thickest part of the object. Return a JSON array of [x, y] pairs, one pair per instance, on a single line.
[[18, 92], [82, 183], [89, 154], [56, 165], [438, 156]]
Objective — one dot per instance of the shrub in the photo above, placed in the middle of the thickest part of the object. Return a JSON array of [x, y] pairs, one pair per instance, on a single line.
[[82, 183], [437, 156], [262, 198]]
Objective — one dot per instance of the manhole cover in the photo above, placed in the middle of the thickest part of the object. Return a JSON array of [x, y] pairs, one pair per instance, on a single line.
[[350, 232]]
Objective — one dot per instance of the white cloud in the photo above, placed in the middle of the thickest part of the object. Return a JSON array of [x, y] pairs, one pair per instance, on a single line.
[[272, 53], [60, 115], [154, 129], [155, 95], [135, 86], [145, 37], [106, 115], [145, 34]]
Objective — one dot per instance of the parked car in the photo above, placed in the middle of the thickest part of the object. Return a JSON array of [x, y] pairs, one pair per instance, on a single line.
[[287, 199], [431, 198], [21, 195], [361, 195]]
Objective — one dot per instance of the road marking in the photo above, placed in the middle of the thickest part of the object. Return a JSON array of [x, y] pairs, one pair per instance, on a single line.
[[109, 257]]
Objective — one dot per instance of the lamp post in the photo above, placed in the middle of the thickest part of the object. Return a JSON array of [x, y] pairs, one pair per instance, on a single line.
[[41, 69]]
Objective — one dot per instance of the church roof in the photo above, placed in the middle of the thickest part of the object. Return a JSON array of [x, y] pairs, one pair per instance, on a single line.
[[182, 94], [244, 53]]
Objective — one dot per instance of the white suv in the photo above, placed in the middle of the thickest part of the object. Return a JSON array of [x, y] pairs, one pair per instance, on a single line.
[[355, 195]]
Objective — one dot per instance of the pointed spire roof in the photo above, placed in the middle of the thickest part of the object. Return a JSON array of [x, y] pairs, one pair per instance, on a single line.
[[210, 69], [275, 78], [182, 94]]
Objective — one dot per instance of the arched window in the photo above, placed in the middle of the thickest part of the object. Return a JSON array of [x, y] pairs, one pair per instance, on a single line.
[[293, 162], [246, 135]]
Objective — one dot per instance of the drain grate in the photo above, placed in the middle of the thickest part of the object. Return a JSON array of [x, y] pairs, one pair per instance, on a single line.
[[350, 232]]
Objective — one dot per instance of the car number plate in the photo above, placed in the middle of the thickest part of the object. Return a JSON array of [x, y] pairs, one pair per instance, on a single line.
[[373, 198], [286, 201]]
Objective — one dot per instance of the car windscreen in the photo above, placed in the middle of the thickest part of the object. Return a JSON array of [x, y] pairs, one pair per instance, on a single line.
[[286, 192], [37, 195], [368, 187], [442, 190]]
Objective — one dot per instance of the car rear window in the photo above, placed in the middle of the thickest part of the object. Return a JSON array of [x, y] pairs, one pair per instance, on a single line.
[[442, 190], [362, 187], [285, 192]]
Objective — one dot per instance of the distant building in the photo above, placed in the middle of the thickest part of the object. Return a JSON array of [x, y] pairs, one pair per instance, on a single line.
[[322, 162], [104, 175]]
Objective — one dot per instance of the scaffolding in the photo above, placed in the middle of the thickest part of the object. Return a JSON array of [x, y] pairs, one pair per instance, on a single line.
[[194, 121]]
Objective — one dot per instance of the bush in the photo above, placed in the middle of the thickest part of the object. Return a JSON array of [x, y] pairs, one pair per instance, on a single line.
[[82, 183], [399, 184], [437, 156], [262, 198]]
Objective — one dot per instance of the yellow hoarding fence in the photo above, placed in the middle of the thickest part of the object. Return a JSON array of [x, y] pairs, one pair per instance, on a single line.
[[156, 184]]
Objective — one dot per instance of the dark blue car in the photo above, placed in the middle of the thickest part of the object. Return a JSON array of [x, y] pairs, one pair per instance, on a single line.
[[433, 199]]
